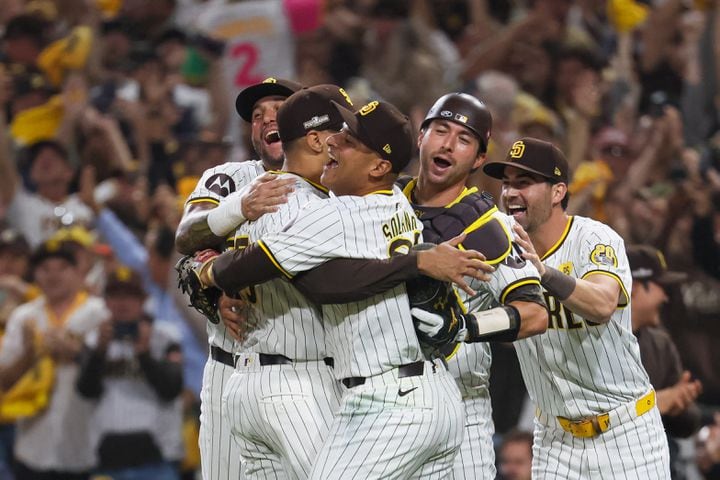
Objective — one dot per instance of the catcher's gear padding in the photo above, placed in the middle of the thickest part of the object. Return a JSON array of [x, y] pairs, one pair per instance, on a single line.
[[466, 110], [203, 299]]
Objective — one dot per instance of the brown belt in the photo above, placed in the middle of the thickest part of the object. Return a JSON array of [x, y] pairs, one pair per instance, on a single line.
[[414, 369]]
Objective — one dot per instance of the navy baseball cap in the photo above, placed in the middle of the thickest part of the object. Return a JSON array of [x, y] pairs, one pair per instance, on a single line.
[[383, 129], [246, 99], [311, 109], [535, 156]]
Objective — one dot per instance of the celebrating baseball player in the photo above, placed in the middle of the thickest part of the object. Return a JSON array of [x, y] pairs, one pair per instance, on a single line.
[[280, 401], [214, 210], [401, 415], [596, 414]]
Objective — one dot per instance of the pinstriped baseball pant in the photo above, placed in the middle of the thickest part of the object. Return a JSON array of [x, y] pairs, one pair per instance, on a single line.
[[476, 458], [634, 450], [219, 454], [280, 415], [381, 432]]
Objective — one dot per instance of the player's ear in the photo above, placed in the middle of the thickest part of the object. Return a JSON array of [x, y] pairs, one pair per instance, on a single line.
[[559, 190], [315, 142], [381, 168], [420, 137]]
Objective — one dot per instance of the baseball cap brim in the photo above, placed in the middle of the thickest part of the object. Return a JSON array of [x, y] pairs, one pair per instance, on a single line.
[[497, 170], [671, 278], [246, 99]]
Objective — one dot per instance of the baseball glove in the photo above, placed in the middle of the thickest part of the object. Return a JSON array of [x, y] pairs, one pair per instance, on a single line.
[[202, 298], [436, 311]]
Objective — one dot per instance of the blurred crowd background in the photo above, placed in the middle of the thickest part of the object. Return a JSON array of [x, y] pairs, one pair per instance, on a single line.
[[110, 110]]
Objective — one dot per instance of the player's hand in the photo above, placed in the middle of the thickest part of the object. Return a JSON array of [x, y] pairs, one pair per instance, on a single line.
[[265, 194], [447, 263], [523, 239], [233, 313], [437, 329]]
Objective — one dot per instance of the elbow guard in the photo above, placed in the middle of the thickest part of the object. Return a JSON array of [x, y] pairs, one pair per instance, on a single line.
[[499, 324]]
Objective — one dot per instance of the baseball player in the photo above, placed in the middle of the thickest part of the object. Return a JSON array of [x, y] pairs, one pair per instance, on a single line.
[[596, 415], [214, 210], [452, 143], [401, 415], [280, 401]]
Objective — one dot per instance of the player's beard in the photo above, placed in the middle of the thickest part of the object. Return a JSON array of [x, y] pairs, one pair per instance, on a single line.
[[271, 154]]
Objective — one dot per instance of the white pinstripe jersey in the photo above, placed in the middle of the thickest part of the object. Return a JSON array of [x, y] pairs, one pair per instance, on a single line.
[[470, 365], [215, 184], [374, 335], [287, 323], [578, 368]]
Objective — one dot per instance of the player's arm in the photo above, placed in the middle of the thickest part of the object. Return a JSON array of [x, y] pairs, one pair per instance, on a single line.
[[207, 221], [594, 297]]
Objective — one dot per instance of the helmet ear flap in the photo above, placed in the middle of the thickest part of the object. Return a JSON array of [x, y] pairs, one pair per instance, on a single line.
[[465, 110]]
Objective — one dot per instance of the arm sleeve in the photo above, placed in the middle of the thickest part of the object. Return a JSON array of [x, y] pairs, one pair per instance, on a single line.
[[346, 280], [164, 376], [89, 381]]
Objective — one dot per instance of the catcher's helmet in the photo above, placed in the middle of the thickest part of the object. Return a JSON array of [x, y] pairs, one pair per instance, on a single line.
[[466, 110]]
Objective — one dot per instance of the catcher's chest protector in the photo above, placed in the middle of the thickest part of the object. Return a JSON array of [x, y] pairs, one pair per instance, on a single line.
[[473, 214]]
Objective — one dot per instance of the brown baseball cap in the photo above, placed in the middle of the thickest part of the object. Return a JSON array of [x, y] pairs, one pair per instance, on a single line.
[[648, 264], [123, 280], [246, 99], [383, 129], [311, 109], [535, 156]]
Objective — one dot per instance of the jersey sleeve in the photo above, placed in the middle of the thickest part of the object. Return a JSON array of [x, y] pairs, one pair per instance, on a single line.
[[602, 252], [219, 182], [314, 237]]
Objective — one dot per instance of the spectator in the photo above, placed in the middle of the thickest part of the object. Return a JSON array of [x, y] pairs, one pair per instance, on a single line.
[[516, 456], [676, 390], [132, 370], [54, 442]]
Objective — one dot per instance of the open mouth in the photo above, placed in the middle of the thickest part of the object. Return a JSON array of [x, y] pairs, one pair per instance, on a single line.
[[516, 209], [271, 136], [441, 162]]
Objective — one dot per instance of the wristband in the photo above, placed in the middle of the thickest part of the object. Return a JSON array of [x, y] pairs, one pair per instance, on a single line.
[[557, 283], [500, 324], [227, 216]]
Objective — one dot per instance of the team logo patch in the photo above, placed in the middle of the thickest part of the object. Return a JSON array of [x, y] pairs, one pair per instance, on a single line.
[[220, 184], [345, 96], [366, 109], [446, 114], [387, 149], [604, 255], [270, 80], [557, 171], [517, 150], [315, 122], [566, 268]]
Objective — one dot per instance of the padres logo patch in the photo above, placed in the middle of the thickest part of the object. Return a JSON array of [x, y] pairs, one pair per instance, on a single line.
[[566, 268], [517, 149], [345, 96], [220, 184], [603, 255], [369, 107], [270, 80]]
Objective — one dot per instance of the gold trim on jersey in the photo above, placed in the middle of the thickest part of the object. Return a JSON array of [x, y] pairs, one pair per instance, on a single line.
[[454, 352], [269, 254], [485, 218], [203, 199], [316, 185], [562, 238], [517, 283], [379, 192], [407, 191], [621, 303]]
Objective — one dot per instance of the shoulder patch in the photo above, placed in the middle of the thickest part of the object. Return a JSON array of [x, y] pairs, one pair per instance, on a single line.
[[220, 184], [604, 255]]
